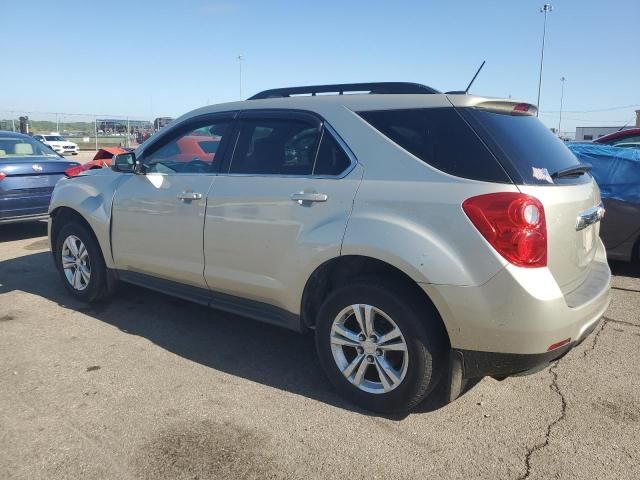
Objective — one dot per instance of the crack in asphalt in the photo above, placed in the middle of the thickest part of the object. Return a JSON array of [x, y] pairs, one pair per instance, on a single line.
[[625, 289], [563, 412], [555, 388], [621, 322], [596, 337]]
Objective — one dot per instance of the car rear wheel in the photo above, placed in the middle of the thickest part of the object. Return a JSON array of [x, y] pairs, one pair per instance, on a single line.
[[380, 347], [80, 263]]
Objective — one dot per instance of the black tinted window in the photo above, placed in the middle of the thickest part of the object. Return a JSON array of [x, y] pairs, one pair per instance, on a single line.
[[332, 159], [523, 141], [441, 138], [275, 147]]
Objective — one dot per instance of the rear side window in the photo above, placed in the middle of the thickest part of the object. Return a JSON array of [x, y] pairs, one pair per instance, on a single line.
[[275, 147], [523, 144], [441, 138]]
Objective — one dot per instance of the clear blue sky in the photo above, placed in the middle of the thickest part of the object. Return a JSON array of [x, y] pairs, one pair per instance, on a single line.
[[163, 58]]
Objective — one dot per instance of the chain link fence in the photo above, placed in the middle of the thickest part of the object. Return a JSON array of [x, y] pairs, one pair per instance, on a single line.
[[89, 131]]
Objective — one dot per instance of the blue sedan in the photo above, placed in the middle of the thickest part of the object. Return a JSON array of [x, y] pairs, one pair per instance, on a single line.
[[28, 172]]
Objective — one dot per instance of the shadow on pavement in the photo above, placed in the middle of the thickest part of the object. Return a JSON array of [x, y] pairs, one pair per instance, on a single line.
[[625, 269], [239, 346], [10, 232]]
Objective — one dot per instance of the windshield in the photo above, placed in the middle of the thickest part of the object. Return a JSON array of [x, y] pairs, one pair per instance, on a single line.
[[54, 138], [525, 147], [24, 147]]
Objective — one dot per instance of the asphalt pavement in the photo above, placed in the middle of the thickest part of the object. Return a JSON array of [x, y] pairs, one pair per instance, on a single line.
[[150, 387]]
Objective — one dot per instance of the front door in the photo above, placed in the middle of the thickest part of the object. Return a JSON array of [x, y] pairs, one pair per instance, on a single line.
[[158, 217]]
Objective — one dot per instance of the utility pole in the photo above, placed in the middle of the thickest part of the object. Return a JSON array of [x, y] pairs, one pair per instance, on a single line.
[[240, 59], [546, 8], [562, 79]]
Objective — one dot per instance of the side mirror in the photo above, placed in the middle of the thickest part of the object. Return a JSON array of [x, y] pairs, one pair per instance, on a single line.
[[123, 162], [127, 163]]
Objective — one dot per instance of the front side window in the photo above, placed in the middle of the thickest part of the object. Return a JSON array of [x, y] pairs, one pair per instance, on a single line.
[[275, 147], [191, 152]]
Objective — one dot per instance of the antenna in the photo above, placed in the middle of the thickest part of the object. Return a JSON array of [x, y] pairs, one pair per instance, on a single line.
[[474, 77]]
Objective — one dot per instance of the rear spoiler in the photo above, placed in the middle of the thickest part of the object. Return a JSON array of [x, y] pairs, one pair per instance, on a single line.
[[508, 108], [496, 105]]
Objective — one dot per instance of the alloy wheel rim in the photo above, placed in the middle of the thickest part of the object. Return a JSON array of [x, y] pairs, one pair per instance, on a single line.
[[369, 349], [75, 263]]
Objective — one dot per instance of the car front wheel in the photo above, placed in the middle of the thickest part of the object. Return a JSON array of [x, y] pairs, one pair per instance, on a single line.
[[80, 263]]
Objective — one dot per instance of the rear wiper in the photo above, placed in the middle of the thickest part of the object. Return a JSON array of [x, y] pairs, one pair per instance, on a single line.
[[573, 171]]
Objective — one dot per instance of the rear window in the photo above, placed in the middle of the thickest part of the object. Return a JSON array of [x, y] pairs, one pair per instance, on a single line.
[[525, 147], [441, 138]]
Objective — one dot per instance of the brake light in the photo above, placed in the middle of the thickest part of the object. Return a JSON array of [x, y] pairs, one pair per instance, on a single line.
[[74, 171], [513, 223], [522, 109], [2, 176]]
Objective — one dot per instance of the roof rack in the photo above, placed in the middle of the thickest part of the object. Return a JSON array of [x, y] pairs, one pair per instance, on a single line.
[[341, 88]]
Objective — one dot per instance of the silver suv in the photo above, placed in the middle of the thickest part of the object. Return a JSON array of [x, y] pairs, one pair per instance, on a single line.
[[424, 237]]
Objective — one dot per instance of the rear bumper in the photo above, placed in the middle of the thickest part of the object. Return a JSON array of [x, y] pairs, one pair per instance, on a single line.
[[521, 312], [482, 364]]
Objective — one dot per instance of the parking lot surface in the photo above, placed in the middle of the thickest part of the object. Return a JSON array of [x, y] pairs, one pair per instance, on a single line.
[[150, 387]]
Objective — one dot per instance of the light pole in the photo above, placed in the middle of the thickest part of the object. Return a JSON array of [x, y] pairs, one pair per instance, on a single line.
[[240, 59], [546, 8], [562, 79]]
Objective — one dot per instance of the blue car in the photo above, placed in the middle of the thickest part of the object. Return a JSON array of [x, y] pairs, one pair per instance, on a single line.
[[28, 172]]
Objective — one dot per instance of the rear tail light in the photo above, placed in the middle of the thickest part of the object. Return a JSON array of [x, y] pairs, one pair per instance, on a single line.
[[2, 176], [513, 223], [74, 171]]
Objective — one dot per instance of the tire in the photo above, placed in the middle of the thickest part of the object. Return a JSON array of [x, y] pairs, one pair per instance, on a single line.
[[421, 332], [100, 282]]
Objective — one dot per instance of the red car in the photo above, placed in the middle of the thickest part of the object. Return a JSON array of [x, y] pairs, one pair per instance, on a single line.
[[631, 135], [101, 159]]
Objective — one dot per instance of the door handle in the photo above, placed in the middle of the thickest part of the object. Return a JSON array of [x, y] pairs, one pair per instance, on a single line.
[[189, 196], [301, 197]]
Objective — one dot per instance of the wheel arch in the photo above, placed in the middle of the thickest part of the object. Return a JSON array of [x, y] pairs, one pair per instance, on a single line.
[[64, 214], [339, 271]]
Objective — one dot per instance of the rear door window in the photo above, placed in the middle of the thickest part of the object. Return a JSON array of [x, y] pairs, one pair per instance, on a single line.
[[527, 148], [275, 146], [332, 159], [441, 138]]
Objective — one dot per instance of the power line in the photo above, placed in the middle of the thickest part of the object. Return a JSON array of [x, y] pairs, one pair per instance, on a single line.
[[610, 109]]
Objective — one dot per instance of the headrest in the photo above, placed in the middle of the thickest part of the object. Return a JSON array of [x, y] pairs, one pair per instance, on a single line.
[[23, 149]]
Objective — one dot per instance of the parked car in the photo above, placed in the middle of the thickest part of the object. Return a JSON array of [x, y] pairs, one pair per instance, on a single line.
[[58, 143], [424, 237], [617, 171], [630, 135], [628, 145], [28, 172]]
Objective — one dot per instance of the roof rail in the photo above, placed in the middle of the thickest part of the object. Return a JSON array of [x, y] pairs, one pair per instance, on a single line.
[[341, 88]]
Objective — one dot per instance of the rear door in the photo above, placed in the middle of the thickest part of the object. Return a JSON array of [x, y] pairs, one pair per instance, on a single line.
[[158, 217], [533, 156], [281, 206]]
